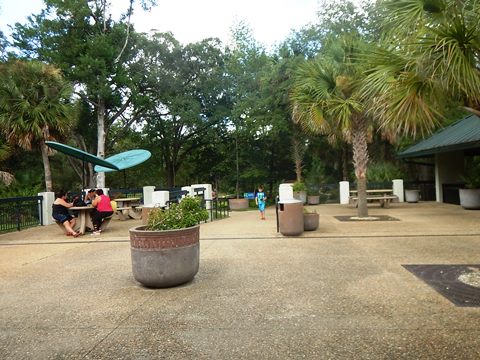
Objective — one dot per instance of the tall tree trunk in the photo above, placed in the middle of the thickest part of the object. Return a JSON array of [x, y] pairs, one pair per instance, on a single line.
[[360, 160], [101, 138], [237, 161], [298, 152], [46, 166], [345, 162]]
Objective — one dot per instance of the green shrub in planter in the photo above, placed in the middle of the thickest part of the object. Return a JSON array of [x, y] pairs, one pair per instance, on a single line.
[[299, 186], [189, 212]]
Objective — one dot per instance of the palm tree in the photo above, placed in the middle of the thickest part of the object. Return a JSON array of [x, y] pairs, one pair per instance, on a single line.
[[5, 177], [34, 107], [430, 58], [326, 100]]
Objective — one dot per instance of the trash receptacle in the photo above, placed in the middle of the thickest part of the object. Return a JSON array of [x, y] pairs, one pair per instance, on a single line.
[[290, 214]]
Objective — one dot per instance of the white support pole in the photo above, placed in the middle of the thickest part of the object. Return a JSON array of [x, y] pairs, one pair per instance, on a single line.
[[285, 192], [160, 198], [148, 195], [207, 195], [344, 187], [398, 189], [189, 189], [48, 199]]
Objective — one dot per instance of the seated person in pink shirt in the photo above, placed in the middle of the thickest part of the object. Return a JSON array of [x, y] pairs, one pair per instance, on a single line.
[[103, 209]]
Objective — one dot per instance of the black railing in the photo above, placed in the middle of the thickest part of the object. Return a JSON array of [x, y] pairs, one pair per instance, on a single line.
[[451, 193], [20, 212], [219, 208], [426, 188], [329, 193]]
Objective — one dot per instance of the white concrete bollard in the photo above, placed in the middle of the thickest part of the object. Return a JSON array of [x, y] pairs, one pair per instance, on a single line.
[[159, 199], [398, 189], [285, 192], [48, 199], [207, 195], [148, 194], [344, 187], [189, 189]]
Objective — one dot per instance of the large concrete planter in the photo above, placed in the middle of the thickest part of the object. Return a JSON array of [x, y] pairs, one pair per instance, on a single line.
[[164, 258], [470, 198], [238, 204], [313, 199], [412, 196], [310, 221]]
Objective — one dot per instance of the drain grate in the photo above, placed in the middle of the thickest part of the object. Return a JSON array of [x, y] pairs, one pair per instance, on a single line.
[[370, 218], [445, 280]]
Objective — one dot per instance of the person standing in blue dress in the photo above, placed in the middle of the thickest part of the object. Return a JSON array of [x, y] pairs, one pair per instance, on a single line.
[[260, 200]]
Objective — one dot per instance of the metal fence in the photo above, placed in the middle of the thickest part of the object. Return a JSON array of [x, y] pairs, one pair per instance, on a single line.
[[219, 208], [20, 212], [426, 188]]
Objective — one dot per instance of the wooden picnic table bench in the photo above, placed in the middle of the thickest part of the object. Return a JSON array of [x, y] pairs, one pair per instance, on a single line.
[[384, 200], [375, 192]]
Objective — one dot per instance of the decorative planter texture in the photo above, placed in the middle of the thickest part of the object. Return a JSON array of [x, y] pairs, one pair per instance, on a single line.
[[310, 221], [238, 204], [164, 258], [313, 199], [470, 198], [412, 196]]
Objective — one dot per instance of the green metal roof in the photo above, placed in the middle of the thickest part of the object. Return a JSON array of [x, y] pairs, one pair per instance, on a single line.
[[462, 135]]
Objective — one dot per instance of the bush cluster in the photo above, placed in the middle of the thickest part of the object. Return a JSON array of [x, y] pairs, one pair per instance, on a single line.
[[189, 212]]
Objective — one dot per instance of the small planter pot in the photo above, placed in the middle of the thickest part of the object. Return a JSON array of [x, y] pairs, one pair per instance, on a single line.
[[300, 195], [310, 221], [313, 199], [470, 198], [164, 258], [412, 196], [238, 204]]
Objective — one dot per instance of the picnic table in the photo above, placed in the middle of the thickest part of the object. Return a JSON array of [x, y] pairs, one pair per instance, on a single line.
[[383, 196], [127, 208], [84, 219]]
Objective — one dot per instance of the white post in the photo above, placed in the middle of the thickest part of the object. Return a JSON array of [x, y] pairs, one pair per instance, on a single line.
[[48, 199], [159, 199], [398, 189], [189, 189], [285, 192], [344, 187], [207, 195], [148, 194]]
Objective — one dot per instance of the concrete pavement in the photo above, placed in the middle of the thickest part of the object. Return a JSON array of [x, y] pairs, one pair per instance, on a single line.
[[337, 293]]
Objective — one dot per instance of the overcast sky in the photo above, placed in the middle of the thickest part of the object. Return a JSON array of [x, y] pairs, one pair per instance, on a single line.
[[193, 20]]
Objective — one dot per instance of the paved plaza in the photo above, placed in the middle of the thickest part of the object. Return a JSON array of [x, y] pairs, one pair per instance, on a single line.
[[341, 292]]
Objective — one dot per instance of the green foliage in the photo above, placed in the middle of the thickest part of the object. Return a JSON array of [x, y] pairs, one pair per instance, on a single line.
[[189, 212], [472, 174], [384, 172], [316, 176], [299, 186], [34, 103], [17, 189]]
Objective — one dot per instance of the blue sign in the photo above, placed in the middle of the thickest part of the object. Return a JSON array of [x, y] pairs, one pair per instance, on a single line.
[[249, 195]]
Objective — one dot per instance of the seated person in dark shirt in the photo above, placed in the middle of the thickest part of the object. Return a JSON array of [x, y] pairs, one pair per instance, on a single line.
[[90, 197], [60, 212]]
